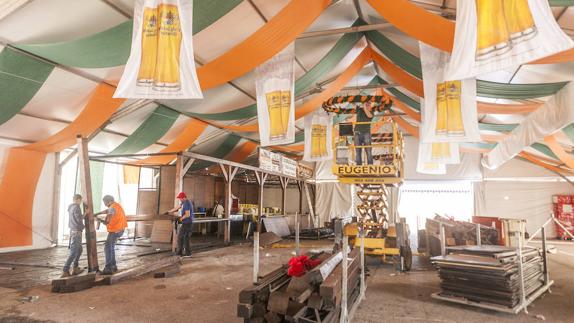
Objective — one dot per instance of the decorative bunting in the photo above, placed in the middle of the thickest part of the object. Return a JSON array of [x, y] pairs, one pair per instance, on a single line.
[[449, 109], [161, 63], [275, 99], [318, 140], [492, 35]]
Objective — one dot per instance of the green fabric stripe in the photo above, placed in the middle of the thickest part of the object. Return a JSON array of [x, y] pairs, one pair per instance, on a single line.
[[299, 137], [561, 3], [478, 145], [497, 127], [150, 131], [569, 131], [544, 149], [224, 148], [112, 47], [21, 76], [516, 91], [324, 66], [411, 64]]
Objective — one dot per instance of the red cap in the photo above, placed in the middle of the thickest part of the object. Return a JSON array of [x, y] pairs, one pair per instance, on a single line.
[[181, 195]]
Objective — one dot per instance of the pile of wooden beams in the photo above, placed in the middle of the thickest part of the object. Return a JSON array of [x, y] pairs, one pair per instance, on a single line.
[[490, 275], [314, 297]]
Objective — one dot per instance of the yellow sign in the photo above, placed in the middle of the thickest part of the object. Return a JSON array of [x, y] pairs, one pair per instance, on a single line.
[[364, 170]]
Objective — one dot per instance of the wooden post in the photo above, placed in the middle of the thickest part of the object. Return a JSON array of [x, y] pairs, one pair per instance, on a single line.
[[442, 240], [56, 198], [261, 178], [300, 188], [297, 247], [86, 189], [229, 174], [478, 238], [311, 213]]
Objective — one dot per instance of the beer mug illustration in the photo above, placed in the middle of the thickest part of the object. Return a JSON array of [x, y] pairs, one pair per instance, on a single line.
[[285, 109], [149, 47], [324, 141], [492, 36], [166, 76], [274, 109], [441, 109], [316, 138], [440, 151], [519, 20], [454, 123]]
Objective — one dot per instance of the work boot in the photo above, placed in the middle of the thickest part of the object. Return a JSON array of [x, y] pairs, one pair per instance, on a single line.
[[65, 274], [77, 271], [107, 271]]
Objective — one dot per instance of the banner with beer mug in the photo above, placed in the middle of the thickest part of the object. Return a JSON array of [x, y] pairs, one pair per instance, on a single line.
[[318, 141], [448, 110], [161, 63], [274, 84], [439, 152], [429, 167], [492, 35]]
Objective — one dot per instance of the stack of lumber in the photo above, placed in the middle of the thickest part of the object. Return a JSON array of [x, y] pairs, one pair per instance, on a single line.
[[73, 283], [457, 233], [489, 274], [313, 297]]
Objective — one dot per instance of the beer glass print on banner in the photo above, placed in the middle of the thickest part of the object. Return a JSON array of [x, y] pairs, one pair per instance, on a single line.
[[318, 140], [449, 115], [502, 24], [440, 151], [275, 116], [149, 47], [166, 77]]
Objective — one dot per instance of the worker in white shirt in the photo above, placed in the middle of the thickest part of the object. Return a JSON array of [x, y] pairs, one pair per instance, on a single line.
[[218, 213]]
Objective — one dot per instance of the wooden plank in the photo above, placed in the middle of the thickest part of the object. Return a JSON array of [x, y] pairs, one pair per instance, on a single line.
[[268, 238], [161, 231], [244, 310], [278, 302], [140, 270], [86, 189], [73, 283]]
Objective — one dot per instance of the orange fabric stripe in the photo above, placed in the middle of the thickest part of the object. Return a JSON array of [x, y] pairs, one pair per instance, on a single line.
[[493, 138], [22, 171], [183, 141], [559, 151], [407, 110], [535, 160], [97, 111], [434, 29], [317, 100], [274, 36], [406, 80], [24, 166], [495, 108], [297, 148]]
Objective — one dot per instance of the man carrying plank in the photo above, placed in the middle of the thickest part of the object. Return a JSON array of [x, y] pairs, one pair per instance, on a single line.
[[115, 222]]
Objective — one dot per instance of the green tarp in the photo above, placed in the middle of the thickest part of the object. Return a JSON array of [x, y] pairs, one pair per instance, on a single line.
[[111, 47], [21, 76], [222, 150], [149, 132]]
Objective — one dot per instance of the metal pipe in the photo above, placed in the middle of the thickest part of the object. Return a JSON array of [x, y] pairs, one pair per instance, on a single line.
[[344, 309], [478, 237], [255, 255], [442, 240], [521, 268], [297, 247], [335, 31]]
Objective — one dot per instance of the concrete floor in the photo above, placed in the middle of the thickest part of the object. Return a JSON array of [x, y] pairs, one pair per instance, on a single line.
[[207, 289]]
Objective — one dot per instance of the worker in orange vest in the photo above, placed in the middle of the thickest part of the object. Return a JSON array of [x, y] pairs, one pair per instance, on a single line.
[[115, 222]]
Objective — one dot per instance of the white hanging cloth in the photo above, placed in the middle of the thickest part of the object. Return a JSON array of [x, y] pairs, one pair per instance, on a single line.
[[492, 35], [318, 139], [448, 110], [161, 63], [275, 81]]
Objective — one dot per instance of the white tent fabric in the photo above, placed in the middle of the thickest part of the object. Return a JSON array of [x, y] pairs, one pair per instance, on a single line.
[[333, 200], [555, 114]]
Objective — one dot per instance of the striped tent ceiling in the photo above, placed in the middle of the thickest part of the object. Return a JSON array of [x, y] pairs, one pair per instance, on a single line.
[[54, 53]]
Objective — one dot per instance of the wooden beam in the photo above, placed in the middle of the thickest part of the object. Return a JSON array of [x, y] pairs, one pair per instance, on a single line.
[[71, 155], [86, 189], [187, 166], [228, 202], [178, 188]]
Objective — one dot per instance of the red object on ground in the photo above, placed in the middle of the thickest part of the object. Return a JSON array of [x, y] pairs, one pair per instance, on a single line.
[[488, 221], [298, 266], [563, 208]]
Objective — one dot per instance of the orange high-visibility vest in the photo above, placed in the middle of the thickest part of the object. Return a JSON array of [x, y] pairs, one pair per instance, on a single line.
[[118, 221]]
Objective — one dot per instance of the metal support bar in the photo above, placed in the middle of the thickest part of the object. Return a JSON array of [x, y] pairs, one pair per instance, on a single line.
[[255, 256], [521, 268], [56, 198], [544, 251], [442, 240], [478, 237], [86, 189], [362, 264], [178, 188], [310, 204], [344, 277], [297, 247]]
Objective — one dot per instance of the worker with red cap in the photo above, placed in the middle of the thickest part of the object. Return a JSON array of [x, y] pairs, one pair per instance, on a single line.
[[185, 209]]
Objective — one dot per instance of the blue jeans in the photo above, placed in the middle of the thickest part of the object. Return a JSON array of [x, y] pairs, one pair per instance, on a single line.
[[183, 236], [110, 249], [75, 250], [363, 139]]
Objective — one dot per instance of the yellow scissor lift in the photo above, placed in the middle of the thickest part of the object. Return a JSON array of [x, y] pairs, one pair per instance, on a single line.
[[373, 183]]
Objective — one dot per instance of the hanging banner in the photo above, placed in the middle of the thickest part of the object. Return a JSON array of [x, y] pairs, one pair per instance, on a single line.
[[439, 152], [424, 167], [318, 140], [161, 63], [275, 99], [492, 35], [448, 111]]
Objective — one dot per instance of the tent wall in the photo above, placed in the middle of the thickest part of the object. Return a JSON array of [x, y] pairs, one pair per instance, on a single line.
[[42, 204], [333, 200]]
